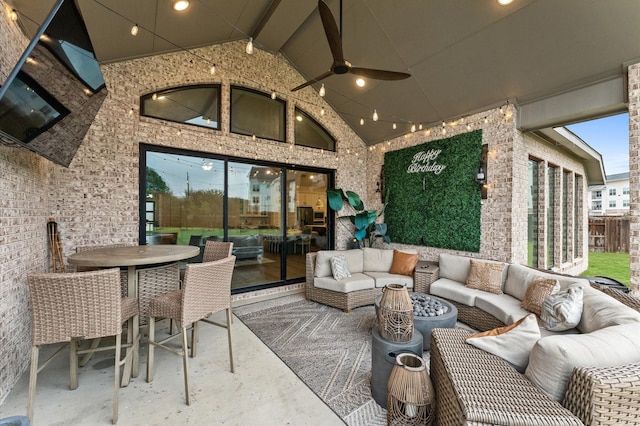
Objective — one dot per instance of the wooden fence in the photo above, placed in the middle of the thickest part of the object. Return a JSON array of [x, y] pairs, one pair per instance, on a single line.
[[609, 234]]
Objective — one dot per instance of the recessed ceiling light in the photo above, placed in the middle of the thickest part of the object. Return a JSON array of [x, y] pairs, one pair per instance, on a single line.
[[181, 5], [360, 82], [504, 2]]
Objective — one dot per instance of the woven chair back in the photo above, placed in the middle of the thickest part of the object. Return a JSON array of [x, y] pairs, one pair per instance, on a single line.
[[206, 289], [75, 305], [216, 250]]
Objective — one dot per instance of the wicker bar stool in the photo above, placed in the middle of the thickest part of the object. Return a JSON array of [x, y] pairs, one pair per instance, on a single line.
[[206, 290], [81, 305], [216, 250]]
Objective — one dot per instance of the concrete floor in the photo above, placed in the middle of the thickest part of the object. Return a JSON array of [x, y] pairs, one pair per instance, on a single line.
[[261, 391]]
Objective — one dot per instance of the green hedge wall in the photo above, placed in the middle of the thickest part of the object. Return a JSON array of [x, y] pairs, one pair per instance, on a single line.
[[433, 207]]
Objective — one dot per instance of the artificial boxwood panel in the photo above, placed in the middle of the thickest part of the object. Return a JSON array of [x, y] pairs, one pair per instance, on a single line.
[[431, 205]]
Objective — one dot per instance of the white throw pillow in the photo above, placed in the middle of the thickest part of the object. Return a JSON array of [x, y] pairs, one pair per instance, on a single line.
[[563, 310], [339, 267], [513, 343]]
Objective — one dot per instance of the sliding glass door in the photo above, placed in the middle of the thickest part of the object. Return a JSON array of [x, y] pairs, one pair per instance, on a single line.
[[274, 214]]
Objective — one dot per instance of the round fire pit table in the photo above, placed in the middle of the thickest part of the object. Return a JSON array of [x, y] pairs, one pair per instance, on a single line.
[[425, 324]]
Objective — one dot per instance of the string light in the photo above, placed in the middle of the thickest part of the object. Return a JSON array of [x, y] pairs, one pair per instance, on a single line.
[[322, 92], [134, 30], [362, 121], [375, 115], [249, 48], [273, 95], [13, 15], [395, 126], [413, 128], [154, 96], [212, 70], [322, 111], [420, 126]]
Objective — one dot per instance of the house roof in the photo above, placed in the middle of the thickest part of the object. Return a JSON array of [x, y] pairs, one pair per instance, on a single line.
[[559, 61]]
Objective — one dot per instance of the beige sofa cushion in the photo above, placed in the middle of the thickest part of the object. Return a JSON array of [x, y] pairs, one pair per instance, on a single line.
[[454, 290], [454, 267], [600, 311], [355, 282], [519, 277], [377, 260], [553, 358], [323, 261], [502, 306], [384, 278]]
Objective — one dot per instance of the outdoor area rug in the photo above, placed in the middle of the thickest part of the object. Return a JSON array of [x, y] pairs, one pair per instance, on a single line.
[[328, 349]]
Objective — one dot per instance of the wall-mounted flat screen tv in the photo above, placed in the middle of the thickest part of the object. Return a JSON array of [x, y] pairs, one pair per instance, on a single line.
[[55, 90]]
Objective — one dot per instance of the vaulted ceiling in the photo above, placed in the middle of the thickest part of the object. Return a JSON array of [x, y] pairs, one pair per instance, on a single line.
[[559, 61]]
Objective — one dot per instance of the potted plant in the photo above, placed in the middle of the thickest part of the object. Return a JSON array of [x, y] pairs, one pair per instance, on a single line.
[[365, 222]]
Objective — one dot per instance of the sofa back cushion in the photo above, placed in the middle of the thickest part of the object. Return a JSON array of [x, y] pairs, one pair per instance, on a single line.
[[600, 310], [377, 260], [353, 257], [454, 267], [520, 277]]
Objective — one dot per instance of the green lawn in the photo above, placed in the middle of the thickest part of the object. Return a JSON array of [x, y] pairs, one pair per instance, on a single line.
[[612, 265]]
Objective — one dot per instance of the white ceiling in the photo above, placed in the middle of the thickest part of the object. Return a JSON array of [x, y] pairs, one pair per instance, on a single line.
[[464, 56]]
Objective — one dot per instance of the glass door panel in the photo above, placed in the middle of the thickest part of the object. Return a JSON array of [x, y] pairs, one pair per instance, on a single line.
[[306, 218], [184, 197], [255, 223]]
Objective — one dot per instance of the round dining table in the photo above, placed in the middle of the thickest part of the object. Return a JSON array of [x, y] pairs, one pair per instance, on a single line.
[[131, 257]]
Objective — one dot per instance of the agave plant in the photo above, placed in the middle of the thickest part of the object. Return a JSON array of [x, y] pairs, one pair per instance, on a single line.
[[366, 228]]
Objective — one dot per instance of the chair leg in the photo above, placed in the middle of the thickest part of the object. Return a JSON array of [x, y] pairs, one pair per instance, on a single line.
[[185, 361], [195, 336], [33, 376], [73, 364], [229, 336], [136, 346], [116, 379], [150, 348], [87, 357]]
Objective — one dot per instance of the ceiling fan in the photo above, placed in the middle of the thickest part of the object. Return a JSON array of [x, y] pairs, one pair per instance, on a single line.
[[340, 65]]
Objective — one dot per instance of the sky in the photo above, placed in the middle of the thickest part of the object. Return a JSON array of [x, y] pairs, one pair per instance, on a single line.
[[610, 137]]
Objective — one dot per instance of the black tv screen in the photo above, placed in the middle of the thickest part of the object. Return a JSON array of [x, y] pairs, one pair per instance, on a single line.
[[55, 90]]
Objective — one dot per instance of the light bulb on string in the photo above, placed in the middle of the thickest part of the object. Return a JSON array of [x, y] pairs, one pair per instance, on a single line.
[[413, 128], [134, 30], [362, 121], [13, 15], [420, 126], [322, 111], [322, 92], [154, 96], [249, 48], [375, 115], [395, 126], [212, 70], [273, 95]]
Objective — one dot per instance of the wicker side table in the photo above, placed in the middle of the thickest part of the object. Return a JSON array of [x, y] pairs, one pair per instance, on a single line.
[[425, 273]]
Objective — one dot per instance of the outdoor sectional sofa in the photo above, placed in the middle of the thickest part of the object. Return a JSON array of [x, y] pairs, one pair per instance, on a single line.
[[586, 375], [369, 269]]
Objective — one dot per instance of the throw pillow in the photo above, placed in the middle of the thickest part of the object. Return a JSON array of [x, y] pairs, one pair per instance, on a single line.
[[403, 263], [563, 310], [485, 276], [339, 267], [537, 291], [513, 343]]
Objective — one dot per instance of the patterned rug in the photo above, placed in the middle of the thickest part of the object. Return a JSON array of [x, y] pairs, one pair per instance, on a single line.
[[328, 349]]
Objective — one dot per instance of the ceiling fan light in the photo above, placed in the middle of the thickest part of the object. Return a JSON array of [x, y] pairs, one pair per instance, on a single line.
[[504, 2], [249, 48], [360, 82], [180, 5], [322, 91]]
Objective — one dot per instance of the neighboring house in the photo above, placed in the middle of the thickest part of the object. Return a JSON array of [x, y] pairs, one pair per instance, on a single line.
[[612, 198]]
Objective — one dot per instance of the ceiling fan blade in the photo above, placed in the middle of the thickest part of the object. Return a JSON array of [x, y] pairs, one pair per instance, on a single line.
[[313, 80], [331, 31], [379, 74]]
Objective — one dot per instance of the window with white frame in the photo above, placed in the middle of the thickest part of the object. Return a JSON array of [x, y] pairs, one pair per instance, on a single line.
[[612, 203], [612, 191]]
